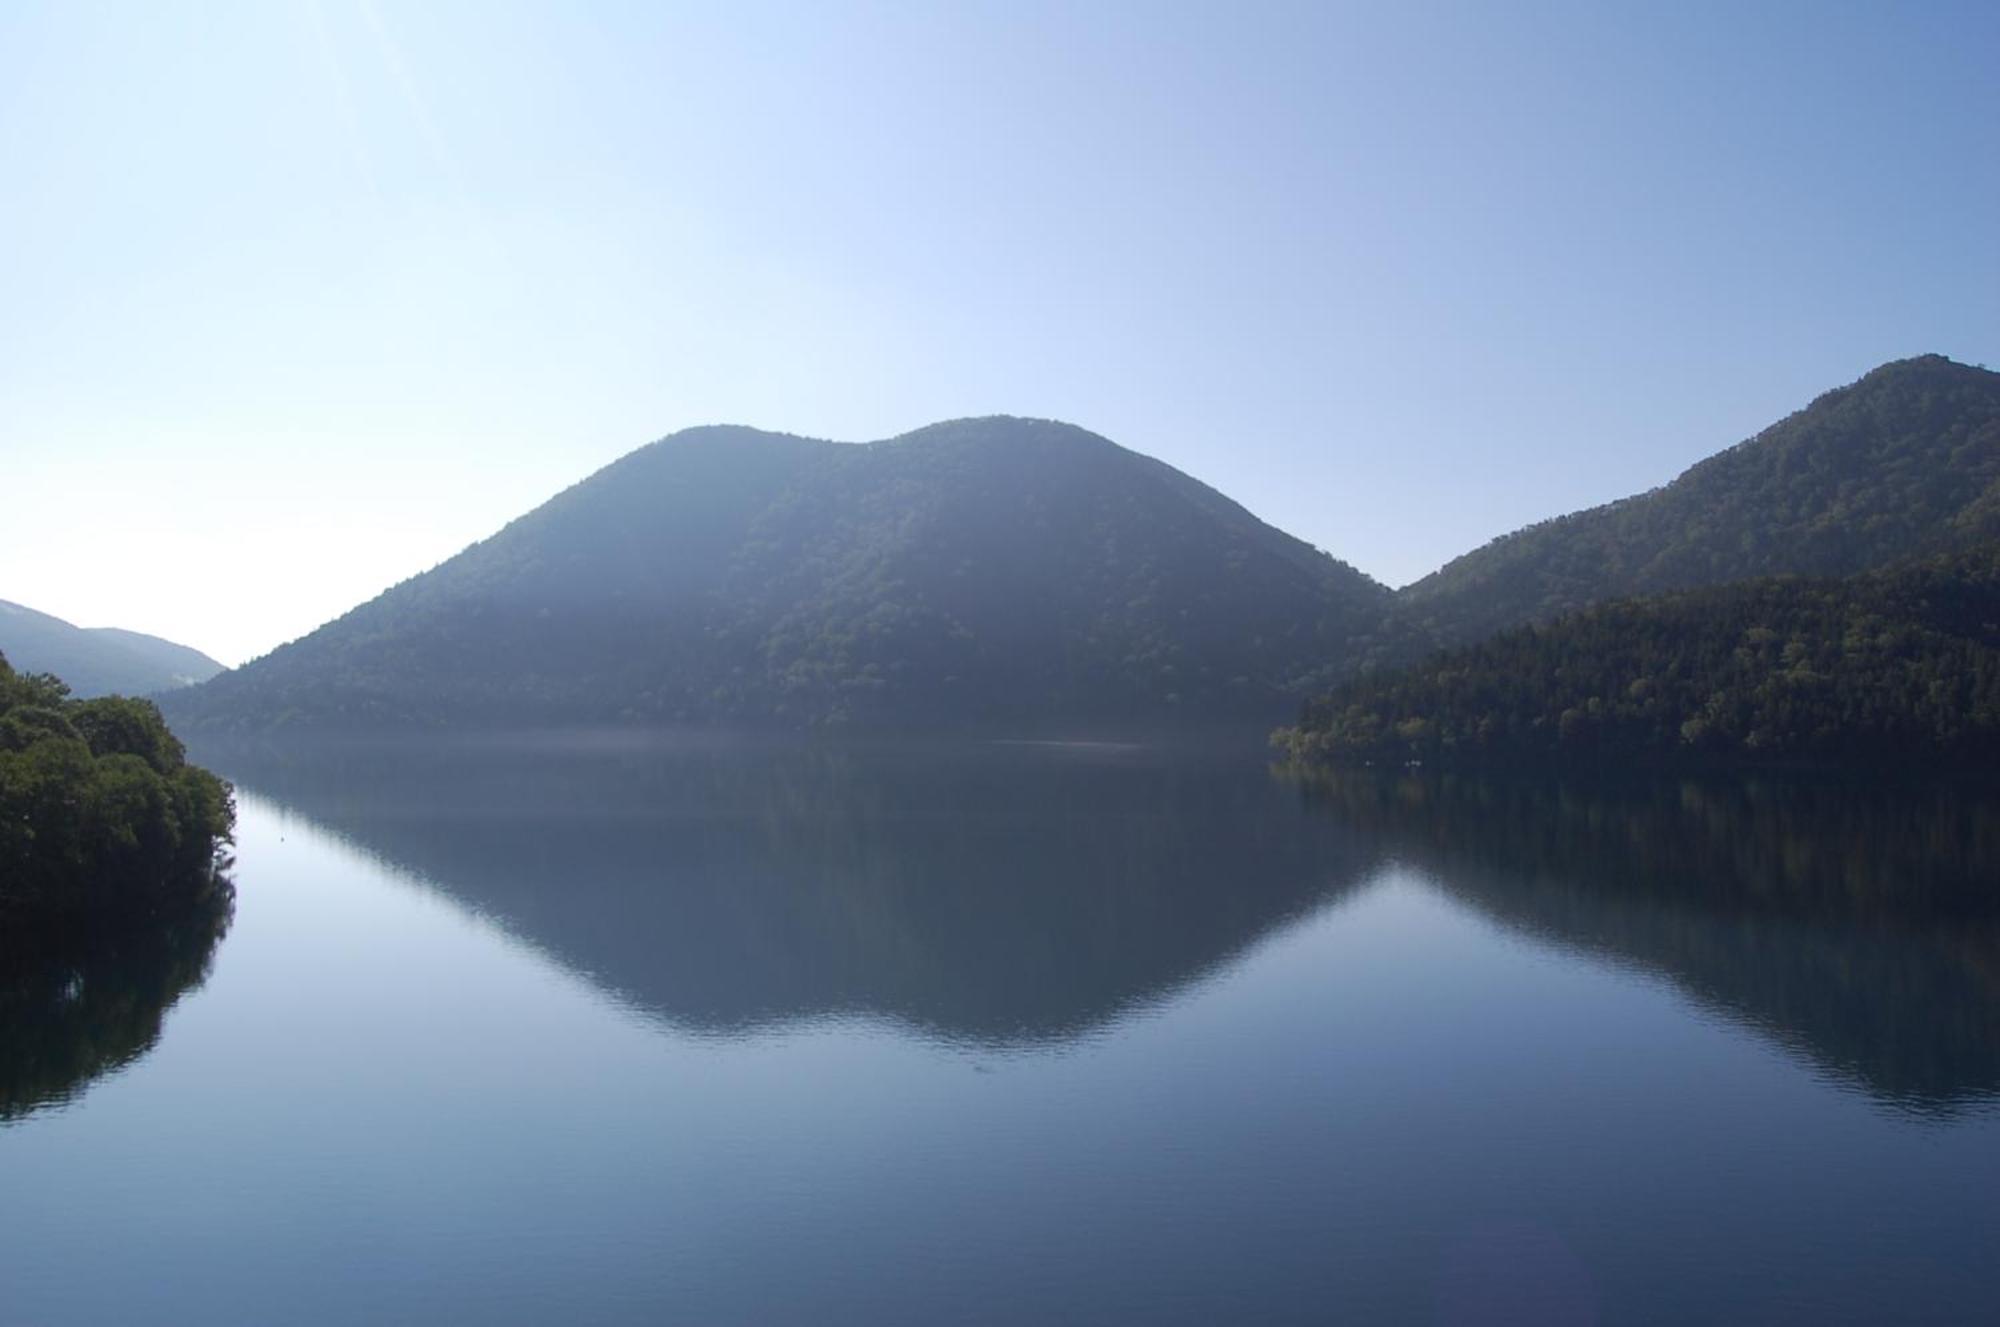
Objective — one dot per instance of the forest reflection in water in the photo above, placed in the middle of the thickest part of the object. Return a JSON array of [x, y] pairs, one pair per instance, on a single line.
[[75, 1007], [1024, 895], [1854, 920]]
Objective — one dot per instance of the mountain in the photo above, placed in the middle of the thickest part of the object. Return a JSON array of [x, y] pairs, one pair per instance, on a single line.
[[1903, 463], [995, 569], [98, 661], [1901, 664], [1030, 573]]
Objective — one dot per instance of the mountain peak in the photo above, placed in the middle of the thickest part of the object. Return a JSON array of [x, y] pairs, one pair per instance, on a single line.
[[1002, 428], [1918, 372], [990, 569], [1930, 362], [1902, 462]]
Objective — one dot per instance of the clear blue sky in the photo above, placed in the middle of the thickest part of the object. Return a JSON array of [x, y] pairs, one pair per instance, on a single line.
[[298, 297]]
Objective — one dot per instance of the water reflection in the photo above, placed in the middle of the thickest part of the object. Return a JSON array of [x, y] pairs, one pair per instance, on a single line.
[[1027, 895], [1003, 895], [75, 1008], [1857, 923]]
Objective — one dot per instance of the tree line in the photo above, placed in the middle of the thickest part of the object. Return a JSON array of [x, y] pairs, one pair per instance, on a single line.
[[1902, 664], [103, 822]]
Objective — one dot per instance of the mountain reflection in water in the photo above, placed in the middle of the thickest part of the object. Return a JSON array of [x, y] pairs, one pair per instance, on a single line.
[[1856, 922], [1025, 895], [993, 893]]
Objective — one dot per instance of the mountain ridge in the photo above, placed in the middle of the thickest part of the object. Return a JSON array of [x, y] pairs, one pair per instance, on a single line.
[[1013, 569], [97, 661], [1903, 461], [994, 568]]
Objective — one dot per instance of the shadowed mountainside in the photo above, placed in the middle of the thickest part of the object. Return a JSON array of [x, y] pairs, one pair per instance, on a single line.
[[1903, 463], [1894, 667], [1028, 575], [1003, 570]]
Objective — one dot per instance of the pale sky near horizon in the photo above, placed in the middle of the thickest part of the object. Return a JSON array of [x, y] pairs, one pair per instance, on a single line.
[[299, 297]]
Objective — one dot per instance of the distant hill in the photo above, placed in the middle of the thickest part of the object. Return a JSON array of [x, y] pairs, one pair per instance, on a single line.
[[98, 661], [1902, 664], [993, 569], [1903, 463]]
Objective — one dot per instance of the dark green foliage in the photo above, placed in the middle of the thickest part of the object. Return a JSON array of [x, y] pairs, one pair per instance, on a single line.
[[102, 820], [98, 661], [990, 569], [1903, 463], [1902, 664]]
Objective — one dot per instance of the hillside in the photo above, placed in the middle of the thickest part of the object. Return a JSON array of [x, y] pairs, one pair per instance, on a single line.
[[98, 661], [981, 570], [1901, 664], [1903, 463]]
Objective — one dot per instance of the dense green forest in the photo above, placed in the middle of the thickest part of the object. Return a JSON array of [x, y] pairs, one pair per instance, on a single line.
[[1900, 664], [98, 661], [1902, 463], [103, 823], [983, 569]]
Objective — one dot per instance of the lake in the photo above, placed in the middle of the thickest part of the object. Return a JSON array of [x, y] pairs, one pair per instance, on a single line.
[[603, 1029]]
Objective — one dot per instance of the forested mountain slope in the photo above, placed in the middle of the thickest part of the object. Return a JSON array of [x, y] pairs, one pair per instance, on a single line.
[[985, 569], [1904, 462], [1899, 664]]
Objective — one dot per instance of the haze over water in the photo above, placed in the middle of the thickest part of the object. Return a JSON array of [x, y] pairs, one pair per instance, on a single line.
[[966, 1032]]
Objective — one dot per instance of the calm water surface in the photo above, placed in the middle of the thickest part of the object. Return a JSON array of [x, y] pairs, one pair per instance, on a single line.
[[618, 1032]]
